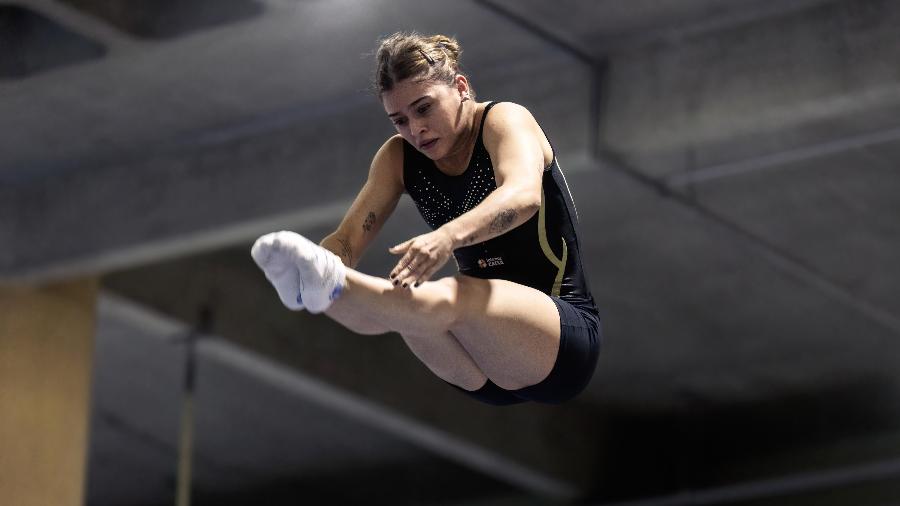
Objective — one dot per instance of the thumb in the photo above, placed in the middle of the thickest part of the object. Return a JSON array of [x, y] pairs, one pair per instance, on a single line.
[[400, 248]]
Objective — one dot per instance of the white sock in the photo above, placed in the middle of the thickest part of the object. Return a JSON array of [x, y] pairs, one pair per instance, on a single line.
[[304, 274]]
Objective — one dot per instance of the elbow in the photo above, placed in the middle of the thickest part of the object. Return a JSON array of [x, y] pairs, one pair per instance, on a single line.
[[523, 200], [531, 202], [327, 240]]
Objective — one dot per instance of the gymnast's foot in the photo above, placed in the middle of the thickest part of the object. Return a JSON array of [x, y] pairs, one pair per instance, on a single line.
[[304, 274]]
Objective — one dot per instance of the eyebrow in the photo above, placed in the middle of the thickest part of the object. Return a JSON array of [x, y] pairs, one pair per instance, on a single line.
[[413, 104]]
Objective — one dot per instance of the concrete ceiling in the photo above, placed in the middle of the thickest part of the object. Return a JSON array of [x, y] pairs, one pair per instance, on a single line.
[[734, 166], [603, 26]]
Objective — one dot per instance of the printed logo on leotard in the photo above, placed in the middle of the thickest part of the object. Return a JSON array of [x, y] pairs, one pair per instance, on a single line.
[[490, 262]]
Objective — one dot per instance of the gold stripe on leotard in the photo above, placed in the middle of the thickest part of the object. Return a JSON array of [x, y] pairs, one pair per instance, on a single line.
[[560, 263]]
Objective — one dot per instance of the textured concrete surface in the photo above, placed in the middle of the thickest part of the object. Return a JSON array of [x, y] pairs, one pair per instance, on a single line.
[[771, 85], [738, 221]]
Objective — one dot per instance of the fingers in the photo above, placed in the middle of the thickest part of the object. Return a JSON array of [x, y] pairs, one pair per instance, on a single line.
[[411, 267], [417, 276], [404, 262], [409, 273], [401, 266], [400, 248], [422, 257], [427, 274], [419, 270]]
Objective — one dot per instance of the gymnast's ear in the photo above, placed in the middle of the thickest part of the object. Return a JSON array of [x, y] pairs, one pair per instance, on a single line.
[[462, 87]]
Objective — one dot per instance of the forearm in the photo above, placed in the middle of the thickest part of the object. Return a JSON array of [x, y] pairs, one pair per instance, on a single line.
[[340, 246], [502, 210]]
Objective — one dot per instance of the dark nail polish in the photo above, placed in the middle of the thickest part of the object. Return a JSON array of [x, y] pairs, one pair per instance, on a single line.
[[417, 284], [396, 282], [405, 285], [392, 275]]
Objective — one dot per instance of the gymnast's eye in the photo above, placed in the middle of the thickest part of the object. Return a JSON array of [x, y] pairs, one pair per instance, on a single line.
[[399, 121], [423, 109]]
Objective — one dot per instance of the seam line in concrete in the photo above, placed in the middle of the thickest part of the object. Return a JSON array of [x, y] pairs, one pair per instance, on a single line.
[[775, 256], [776, 487], [772, 161], [172, 247], [538, 31]]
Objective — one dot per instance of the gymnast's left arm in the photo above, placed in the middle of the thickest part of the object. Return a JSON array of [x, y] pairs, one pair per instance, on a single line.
[[513, 138]]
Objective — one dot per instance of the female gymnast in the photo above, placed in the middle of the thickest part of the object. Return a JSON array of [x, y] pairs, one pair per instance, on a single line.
[[518, 322]]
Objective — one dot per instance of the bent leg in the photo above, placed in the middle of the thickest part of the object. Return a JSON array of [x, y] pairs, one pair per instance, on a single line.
[[436, 348], [510, 331], [423, 311], [447, 359], [355, 320]]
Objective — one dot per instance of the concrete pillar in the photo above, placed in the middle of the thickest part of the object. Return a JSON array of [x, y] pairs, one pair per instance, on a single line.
[[46, 345]]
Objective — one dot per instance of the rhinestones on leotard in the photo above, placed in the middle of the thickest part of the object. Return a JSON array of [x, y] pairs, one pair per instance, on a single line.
[[441, 198], [434, 193]]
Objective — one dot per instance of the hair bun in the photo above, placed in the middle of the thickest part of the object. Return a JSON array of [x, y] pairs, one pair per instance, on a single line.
[[449, 46], [405, 55]]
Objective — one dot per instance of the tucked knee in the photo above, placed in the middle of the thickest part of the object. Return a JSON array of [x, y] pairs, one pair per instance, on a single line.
[[446, 361], [442, 305], [470, 295]]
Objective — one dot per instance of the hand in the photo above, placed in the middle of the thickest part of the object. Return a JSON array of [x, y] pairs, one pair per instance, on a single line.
[[422, 257]]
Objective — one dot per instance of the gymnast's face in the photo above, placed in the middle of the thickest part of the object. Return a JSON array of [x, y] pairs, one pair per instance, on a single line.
[[429, 115]]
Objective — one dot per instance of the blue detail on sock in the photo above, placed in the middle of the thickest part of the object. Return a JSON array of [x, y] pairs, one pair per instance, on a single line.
[[336, 292]]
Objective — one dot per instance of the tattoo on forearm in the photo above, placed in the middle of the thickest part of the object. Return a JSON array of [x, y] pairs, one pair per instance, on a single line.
[[346, 252], [502, 221], [370, 222]]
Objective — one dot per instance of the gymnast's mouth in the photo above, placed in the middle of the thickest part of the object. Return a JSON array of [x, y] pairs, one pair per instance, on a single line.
[[427, 144]]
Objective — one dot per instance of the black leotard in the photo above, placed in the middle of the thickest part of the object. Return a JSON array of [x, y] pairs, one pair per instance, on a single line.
[[542, 253]]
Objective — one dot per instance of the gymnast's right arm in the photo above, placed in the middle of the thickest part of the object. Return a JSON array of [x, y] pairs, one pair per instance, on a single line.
[[372, 207]]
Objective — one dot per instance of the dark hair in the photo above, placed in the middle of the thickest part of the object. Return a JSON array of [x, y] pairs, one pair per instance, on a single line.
[[406, 55]]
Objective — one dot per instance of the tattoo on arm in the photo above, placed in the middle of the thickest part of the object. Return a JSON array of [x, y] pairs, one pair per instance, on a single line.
[[346, 252], [502, 221], [370, 222]]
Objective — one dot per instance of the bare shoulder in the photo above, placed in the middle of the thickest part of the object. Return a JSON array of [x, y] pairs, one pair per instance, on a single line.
[[388, 162], [508, 119], [510, 124], [509, 114], [391, 151]]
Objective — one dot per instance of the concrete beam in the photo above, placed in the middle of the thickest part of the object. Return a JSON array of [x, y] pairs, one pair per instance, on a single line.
[[604, 26], [112, 39], [766, 86]]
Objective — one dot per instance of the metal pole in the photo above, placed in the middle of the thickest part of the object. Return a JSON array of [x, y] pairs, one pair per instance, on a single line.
[[186, 439]]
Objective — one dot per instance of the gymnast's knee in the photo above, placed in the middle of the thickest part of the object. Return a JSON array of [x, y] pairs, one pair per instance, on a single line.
[[442, 304], [470, 296]]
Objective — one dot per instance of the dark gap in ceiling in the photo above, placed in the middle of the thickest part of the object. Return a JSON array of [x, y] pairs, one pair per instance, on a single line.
[[31, 43], [705, 443], [163, 19]]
